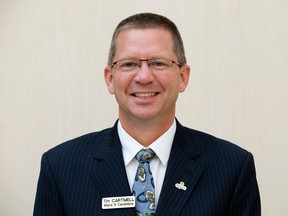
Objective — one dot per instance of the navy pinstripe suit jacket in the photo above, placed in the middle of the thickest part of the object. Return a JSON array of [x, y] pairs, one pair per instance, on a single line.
[[219, 176]]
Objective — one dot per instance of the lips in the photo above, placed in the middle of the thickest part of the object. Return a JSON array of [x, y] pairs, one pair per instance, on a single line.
[[145, 95]]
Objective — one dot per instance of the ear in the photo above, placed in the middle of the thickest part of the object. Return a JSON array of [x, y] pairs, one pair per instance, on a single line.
[[108, 76], [184, 77]]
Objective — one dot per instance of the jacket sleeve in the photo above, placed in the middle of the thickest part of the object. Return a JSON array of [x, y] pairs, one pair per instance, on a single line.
[[246, 198], [47, 200]]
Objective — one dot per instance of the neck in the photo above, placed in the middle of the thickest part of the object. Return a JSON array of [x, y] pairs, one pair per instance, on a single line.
[[146, 131]]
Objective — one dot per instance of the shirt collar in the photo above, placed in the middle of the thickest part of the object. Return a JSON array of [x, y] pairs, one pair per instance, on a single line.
[[162, 146]]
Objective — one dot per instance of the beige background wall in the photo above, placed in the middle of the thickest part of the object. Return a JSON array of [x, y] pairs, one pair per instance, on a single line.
[[52, 55]]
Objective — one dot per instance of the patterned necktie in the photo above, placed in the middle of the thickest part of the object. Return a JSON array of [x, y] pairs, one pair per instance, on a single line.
[[143, 188]]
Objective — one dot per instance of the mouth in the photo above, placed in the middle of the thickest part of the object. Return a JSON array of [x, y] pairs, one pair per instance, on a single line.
[[145, 95]]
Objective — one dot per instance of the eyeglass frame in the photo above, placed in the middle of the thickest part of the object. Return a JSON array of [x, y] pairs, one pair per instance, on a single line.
[[147, 60]]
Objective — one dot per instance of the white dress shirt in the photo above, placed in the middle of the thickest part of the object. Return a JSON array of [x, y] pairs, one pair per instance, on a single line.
[[161, 146]]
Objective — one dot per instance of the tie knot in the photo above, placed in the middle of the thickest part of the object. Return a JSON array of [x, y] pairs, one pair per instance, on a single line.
[[145, 155]]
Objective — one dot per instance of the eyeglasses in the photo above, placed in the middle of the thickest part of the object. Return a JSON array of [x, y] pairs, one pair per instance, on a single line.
[[134, 65]]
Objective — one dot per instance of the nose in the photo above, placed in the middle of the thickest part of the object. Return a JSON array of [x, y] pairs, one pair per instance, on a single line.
[[144, 75]]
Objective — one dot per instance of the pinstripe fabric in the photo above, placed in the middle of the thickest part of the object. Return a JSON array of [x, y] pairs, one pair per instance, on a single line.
[[76, 175], [219, 176]]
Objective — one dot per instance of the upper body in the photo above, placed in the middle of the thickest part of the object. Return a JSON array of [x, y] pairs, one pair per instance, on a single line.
[[146, 71], [219, 177]]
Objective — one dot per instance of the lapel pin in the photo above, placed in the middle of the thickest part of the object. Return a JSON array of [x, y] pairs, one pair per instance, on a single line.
[[181, 186]]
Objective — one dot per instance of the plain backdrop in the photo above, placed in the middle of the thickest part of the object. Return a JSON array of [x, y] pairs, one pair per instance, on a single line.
[[52, 55]]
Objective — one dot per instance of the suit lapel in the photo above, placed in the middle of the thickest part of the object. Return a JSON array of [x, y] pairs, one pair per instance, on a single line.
[[109, 174], [183, 166]]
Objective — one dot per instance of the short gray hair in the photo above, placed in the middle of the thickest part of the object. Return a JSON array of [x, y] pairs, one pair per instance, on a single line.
[[146, 21]]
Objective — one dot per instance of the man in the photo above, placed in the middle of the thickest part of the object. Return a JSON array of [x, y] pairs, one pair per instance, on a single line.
[[192, 173]]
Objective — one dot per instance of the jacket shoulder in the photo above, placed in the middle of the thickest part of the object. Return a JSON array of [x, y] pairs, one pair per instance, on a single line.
[[80, 146], [212, 145]]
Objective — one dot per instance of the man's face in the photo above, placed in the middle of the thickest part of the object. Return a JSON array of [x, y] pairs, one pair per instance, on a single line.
[[146, 94]]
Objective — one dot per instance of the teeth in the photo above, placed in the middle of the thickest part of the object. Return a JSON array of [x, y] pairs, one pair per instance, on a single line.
[[145, 95]]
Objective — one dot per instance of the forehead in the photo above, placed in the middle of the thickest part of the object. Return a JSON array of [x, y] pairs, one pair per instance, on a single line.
[[144, 43]]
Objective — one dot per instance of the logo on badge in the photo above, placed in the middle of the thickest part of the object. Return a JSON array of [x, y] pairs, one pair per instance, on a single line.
[[181, 186]]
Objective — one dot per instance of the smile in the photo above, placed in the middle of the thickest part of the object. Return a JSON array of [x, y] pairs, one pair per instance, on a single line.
[[145, 95]]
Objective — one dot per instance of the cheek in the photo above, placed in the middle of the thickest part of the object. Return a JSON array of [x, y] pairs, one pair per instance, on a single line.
[[168, 82], [120, 84], [175, 84]]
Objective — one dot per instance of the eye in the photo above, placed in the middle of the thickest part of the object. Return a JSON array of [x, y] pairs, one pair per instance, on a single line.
[[159, 64], [128, 64]]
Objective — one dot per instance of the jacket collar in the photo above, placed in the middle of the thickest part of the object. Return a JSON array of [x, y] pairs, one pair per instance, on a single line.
[[183, 172]]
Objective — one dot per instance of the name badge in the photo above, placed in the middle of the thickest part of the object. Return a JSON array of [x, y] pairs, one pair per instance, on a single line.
[[118, 202]]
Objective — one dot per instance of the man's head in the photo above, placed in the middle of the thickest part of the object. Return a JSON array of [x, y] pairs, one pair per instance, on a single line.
[[148, 21], [145, 72]]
